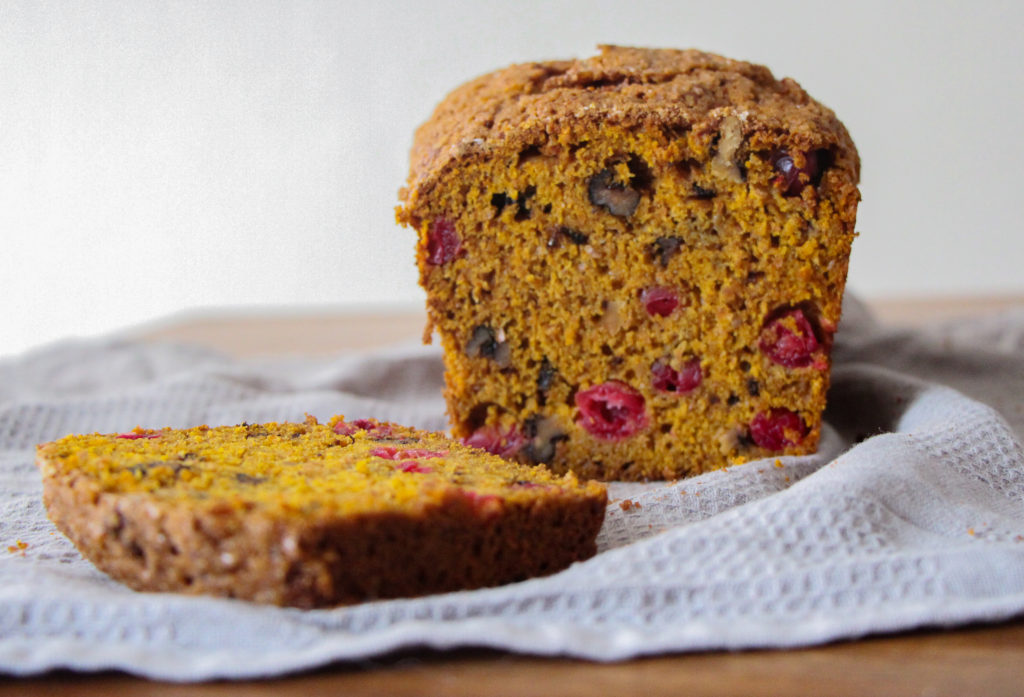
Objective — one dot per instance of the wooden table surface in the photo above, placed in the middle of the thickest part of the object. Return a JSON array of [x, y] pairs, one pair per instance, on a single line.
[[985, 660]]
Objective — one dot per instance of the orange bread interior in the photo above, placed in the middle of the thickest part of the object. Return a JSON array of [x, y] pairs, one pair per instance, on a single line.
[[635, 262]]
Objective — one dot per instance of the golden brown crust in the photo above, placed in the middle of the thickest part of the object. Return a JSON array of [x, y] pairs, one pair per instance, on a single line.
[[233, 545], [676, 89]]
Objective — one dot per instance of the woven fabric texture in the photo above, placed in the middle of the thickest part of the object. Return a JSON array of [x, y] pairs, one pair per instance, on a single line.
[[911, 514]]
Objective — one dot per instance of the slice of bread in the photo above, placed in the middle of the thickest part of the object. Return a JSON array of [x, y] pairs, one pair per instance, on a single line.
[[309, 514]]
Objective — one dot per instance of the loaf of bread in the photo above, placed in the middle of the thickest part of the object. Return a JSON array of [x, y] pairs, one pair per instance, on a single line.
[[635, 262], [308, 514]]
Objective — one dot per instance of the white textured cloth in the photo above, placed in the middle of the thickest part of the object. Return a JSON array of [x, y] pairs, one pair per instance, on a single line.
[[912, 514]]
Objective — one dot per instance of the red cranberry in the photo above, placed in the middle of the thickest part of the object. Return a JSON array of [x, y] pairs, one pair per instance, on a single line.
[[135, 435], [414, 467], [668, 379], [389, 453], [381, 431], [611, 411], [788, 178], [660, 301], [443, 243], [777, 428], [422, 452], [789, 340], [494, 440], [373, 428]]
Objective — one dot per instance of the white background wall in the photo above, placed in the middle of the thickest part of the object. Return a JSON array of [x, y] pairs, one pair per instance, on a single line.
[[156, 157]]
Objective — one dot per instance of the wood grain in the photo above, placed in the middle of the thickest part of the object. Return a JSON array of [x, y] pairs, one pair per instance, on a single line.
[[973, 661]]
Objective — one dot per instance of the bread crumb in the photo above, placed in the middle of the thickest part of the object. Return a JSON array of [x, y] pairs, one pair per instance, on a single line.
[[970, 531], [18, 546], [629, 504], [778, 463]]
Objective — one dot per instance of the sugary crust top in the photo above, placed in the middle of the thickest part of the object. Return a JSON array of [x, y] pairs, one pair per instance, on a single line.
[[681, 90]]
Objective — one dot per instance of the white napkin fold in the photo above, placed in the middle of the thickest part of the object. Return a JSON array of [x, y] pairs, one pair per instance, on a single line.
[[911, 514]]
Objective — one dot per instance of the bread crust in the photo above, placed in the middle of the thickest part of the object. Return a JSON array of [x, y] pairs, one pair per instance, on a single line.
[[679, 90]]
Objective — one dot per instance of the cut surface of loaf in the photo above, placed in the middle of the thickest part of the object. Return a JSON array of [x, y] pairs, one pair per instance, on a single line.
[[635, 262], [309, 514]]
